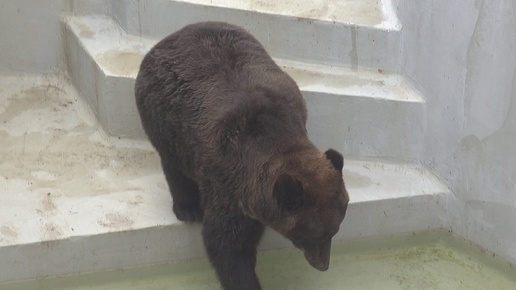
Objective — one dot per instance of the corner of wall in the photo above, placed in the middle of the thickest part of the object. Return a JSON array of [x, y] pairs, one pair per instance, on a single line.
[[460, 55]]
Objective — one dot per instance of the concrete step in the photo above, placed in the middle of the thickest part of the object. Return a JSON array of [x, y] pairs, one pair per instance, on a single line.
[[364, 113], [354, 33], [75, 200]]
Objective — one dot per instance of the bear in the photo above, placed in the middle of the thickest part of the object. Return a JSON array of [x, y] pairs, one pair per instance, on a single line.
[[229, 126]]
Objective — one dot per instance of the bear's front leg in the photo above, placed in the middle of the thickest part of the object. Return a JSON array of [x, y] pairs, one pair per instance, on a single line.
[[185, 192], [231, 239]]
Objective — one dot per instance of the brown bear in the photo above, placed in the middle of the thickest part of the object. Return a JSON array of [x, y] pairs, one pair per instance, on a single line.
[[229, 126]]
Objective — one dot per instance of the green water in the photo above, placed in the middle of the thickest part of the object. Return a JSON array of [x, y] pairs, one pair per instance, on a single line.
[[426, 261]]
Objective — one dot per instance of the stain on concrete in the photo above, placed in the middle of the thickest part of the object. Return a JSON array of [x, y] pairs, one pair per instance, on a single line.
[[85, 31], [353, 54], [47, 205], [44, 175], [32, 98], [264, 4], [308, 78], [136, 202], [125, 63], [41, 130], [116, 221], [366, 12], [8, 235], [314, 12], [36, 110], [8, 232], [356, 180], [50, 154], [52, 231]]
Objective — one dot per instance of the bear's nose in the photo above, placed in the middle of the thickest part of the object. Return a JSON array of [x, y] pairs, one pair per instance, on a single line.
[[317, 262], [319, 257]]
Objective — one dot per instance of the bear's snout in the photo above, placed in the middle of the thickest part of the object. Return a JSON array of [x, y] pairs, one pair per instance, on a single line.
[[319, 257]]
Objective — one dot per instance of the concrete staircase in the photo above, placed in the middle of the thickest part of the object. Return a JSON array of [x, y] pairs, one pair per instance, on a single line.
[[345, 58], [366, 112]]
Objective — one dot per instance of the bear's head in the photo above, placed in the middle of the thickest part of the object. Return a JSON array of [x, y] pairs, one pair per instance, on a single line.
[[311, 203]]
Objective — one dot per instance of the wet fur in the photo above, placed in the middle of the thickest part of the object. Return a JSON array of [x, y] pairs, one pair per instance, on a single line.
[[229, 126]]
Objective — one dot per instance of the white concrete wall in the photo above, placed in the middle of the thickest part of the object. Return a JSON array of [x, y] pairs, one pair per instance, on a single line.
[[30, 35], [462, 55]]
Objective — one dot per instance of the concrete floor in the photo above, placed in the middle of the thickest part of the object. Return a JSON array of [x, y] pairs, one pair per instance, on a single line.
[[74, 200], [433, 260], [61, 176]]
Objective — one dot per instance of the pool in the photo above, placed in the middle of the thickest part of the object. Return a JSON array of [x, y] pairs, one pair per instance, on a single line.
[[431, 260]]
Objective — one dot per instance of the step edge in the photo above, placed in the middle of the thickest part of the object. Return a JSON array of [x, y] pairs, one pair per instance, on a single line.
[[151, 253], [321, 69], [403, 193], [390, 22]]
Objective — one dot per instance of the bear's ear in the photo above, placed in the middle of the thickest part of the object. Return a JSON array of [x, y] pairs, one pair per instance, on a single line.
[[289, 192], [336, 159]]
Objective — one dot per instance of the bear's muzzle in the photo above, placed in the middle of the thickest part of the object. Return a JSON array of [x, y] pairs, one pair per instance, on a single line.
[[319, 256]]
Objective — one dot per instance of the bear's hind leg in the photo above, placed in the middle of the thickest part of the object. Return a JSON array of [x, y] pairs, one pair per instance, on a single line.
[[185, 194], [231, 242]]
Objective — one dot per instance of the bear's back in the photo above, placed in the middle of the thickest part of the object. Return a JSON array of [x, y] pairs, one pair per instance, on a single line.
[[212, 85]]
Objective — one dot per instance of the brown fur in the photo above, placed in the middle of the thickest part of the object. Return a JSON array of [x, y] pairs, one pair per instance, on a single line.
[[229, 126]]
